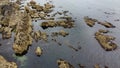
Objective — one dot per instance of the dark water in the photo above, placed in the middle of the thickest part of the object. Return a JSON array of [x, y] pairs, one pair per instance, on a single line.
[[80, 36]]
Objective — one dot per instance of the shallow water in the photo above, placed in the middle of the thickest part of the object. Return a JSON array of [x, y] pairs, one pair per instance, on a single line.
[[91, 52]]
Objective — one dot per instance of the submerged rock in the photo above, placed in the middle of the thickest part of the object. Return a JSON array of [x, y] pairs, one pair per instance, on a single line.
[[106, 41], [38, 51], [5, 64], [89, 21], [64, 64]]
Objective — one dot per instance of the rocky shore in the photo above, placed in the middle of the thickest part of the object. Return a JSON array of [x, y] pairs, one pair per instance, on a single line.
[[5, 64]]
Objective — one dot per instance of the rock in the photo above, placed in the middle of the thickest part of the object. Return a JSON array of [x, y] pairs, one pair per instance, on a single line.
[[22, 36], [39, 8], [44, 36], [42, 15], [63, 33], [38, 51], [64, 64], [103, 31], [89, 21], [48, 6], [65, 24], [7, 32], [106, 41], [107, 24], [5, 64], [38, 35], [32, 2], [45, 25], [4, 2], [97, 66]]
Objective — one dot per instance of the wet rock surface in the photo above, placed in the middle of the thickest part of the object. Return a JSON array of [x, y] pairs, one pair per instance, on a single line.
[[5, 64]]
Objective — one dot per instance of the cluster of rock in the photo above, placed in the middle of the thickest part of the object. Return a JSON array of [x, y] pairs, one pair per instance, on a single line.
[[106, 41], [91, 22], [37, 11], [5, 64]]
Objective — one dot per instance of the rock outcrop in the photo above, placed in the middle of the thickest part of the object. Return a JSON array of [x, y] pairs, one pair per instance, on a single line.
[[106, 41], [5, 64], [22, 36]]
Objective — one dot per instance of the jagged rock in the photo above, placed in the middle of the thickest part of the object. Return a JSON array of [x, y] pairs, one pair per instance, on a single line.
[[107, 24], [106, 41], [5, 64], [38, 51], [89, 21], [64, 64]]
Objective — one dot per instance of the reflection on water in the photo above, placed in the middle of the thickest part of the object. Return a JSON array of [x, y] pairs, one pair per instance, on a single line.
[[91, 52]]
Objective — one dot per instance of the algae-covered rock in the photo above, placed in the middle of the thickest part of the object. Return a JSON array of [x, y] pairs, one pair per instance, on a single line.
[[5, 64], [64, 64]]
